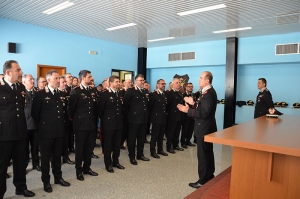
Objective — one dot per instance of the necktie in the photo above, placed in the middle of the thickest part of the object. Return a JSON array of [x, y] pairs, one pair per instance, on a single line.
[[30, 92], [116, 93], [14, 87], [54, 92]]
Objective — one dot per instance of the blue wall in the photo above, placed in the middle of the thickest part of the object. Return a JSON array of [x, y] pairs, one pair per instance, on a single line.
[[38, 45], [256, 58]]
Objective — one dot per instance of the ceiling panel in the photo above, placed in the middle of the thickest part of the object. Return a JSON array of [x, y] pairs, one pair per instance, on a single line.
[[155, 18]]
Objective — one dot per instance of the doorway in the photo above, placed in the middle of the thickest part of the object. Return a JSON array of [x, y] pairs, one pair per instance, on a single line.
[[123, 74], [43, 69]]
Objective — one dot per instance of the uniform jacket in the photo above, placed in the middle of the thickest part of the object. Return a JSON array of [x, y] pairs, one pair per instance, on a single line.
[[81, 109], [124, 108], [157, 107], [64, 97], [204, 113], [29, 99], [263, 103], [12, 117], [110, 110], [136, 103], [173, 99], [48, 112]]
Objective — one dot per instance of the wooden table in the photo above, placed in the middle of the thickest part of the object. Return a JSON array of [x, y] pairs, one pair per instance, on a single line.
[[265, 157]]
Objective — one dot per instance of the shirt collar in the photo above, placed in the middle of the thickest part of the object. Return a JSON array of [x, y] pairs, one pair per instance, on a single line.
[[84, 86], [51, 89], [262, 90], [160, 91], [8, 82], [206, 88], [114, 91]]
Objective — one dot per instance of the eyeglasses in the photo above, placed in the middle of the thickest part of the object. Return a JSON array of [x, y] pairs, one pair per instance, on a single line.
[[69, 77], [162, 83]]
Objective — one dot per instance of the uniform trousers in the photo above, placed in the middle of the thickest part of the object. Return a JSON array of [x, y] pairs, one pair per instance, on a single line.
[[157, 136], [125, 130], [173, 132], [111, 146], [137, 134], [84, 149], [206, 162], [187, 131], [15, 150], [65, 151], [71, 137], [33, 141], [51, 149]]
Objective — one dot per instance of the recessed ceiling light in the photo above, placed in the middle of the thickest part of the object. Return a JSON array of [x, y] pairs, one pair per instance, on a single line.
[[122, 26], [202, 10], [232, 30], [166, 38], [59, 7]]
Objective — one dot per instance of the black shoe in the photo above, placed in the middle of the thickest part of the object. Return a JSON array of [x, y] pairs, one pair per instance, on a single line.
[[97, 145], [155, 155], [184, 146], [38, 168], [195, 185], [123, 147], [47, 187], [67, 161], [118, 166], [62, 182], [109, 169], [80, 177], [179, 149], [7, 176], [162, 153], [25, 193], [146, 141], [191, 144], [143, 158], [133, 161], [72, 150], [171, 150], [95, 156], [92, 173]]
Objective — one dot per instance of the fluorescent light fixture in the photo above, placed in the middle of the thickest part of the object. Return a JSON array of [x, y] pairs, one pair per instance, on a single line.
[[122, 26], [232, 30], [59, 7], [202, 10], [166, 38]]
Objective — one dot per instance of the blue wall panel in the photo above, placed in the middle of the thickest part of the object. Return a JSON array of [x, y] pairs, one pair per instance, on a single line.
[[38, 45]]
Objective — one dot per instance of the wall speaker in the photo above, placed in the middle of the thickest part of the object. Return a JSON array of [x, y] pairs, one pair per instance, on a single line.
[[12, 47]]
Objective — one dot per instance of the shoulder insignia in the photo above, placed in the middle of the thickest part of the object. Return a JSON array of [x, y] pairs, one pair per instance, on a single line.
[[81, 87]]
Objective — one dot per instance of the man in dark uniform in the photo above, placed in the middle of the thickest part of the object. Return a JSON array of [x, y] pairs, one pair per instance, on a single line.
[[174, 117], [13, 129], [95, 94], [127, 84], [157, 109], [81, 112], [32, 132], [110, 113], [48, 113], [136, 101], [205, 123], [188, 122], [67, 122], [41, 83], [264, 103], [69, 86], [147, 91]]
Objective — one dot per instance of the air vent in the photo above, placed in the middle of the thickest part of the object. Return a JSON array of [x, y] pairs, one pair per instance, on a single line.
[[287, 18], [175, 57], [182, 56], [283, 49], [182, 32], [188, 55]]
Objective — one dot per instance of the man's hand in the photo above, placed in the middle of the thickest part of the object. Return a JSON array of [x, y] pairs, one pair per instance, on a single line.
[[271, 110], [189, 100], [183, 108]]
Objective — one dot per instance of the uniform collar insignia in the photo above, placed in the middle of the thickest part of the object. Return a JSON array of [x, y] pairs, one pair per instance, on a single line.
[[2, 82], [46, 89], [81, 87], [47, 98]]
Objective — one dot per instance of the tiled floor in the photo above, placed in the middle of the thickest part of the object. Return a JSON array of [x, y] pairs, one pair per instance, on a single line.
[[167, 177]]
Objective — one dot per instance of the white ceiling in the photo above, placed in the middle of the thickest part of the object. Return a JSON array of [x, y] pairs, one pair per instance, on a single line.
[[155, 17]]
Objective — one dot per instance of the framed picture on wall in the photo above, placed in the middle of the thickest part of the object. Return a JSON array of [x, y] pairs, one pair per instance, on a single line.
[[127, 76]]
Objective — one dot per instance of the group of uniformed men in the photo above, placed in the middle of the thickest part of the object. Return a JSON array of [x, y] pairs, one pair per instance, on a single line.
[[45, 117]]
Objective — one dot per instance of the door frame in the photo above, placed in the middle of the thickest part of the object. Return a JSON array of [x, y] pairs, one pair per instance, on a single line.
[[39, 66]]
